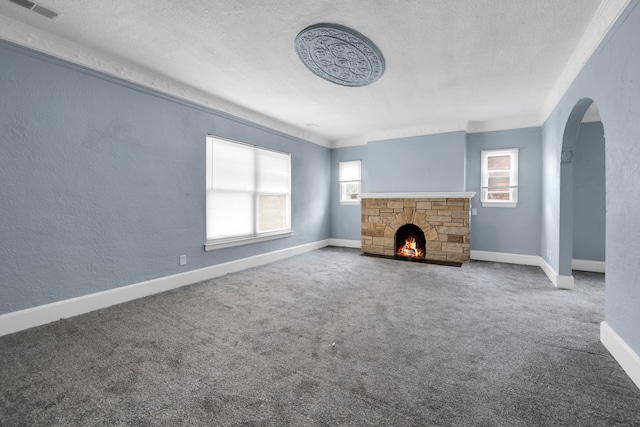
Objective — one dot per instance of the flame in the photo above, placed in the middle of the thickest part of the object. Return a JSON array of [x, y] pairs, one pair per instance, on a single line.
[[410, 249]]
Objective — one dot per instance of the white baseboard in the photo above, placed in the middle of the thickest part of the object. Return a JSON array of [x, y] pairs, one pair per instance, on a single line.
[[561, 282], [564, 282], [587, 265], [558, 280], [41, 315], [624, 355], [344, 243], [506, 258]]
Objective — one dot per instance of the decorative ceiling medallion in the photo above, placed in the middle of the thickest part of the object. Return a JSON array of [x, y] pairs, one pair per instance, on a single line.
[[340, 54]]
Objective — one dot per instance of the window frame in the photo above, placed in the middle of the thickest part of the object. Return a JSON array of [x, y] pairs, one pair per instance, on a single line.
[[254, 236], [343, 182], [512, 202]]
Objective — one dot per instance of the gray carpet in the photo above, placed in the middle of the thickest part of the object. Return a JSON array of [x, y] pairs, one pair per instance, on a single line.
[[329, 338]]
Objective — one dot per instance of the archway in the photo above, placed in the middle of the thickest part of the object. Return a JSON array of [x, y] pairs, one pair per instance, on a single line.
[[569, 217]]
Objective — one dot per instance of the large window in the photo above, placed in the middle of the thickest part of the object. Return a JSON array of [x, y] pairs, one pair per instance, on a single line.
[[349, 179], [500, 178], [248, 193]]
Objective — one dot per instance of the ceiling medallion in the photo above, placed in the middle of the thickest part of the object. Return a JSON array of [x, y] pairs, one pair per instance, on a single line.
[[339, 54]]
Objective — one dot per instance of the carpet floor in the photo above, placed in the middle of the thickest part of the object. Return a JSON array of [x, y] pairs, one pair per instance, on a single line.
[[329, 338]]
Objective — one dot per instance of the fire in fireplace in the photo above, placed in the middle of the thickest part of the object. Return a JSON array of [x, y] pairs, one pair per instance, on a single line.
[[410, 242]]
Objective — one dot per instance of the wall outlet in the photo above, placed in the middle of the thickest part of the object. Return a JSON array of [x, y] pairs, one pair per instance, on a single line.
[[549, 252], [183, 260]]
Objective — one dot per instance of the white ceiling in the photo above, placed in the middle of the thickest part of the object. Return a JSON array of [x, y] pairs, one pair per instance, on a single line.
[[450, 65]]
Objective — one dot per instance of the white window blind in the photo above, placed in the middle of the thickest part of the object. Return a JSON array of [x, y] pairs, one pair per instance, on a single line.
[[248, 191]]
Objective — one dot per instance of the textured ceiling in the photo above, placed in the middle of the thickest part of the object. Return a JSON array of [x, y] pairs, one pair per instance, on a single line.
[[448, 63]]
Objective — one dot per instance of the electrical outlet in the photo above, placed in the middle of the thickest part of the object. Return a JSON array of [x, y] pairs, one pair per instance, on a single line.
[[183, 260], [549, 252]]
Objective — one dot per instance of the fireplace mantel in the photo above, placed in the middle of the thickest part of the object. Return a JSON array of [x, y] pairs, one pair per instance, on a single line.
[[428, 195]]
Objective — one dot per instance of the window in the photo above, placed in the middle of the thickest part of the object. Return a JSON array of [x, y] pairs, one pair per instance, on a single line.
[[500, 178], [349, 177], [248, 194]]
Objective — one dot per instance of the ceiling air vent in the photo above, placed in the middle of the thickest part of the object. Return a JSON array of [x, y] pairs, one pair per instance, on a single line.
[[23, 3], [36, 8]]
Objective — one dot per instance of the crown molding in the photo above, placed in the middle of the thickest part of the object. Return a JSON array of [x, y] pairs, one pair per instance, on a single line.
[[423, 195], [523, 122], [382, 135], [32, 38], [605, 17], [503, 124]]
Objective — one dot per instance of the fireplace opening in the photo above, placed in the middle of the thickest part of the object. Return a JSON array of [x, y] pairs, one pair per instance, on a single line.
[[410, 242]]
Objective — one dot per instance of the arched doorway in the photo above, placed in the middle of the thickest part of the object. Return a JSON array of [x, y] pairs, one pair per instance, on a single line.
[[577, 196]]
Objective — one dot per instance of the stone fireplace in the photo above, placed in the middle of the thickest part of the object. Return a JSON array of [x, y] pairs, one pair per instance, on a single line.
[[417, 226]]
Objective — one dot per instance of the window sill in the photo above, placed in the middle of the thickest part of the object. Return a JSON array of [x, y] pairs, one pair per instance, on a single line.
[[355, 202], [229, 243], [499, 204]]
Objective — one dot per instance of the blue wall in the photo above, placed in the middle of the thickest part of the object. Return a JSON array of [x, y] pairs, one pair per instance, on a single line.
[[421, 163], [510, 230], [346, 219], [610, 79], [589, 194], [103, 182]]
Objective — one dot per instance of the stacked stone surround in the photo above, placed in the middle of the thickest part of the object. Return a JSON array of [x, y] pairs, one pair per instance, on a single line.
[[443, 220]]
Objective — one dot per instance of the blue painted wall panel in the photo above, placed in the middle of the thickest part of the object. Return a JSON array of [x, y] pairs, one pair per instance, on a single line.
[[346, 219], [509, 230], [589, 194], [103, 182], [421, 163]]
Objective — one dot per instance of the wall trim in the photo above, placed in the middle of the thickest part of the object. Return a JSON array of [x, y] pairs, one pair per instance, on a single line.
[[29, 37], [560, 282], [344, 243], [588, 265], [565, 282], [423, 195], [621, 352], [41, 315], [505, 257], [603, 21]]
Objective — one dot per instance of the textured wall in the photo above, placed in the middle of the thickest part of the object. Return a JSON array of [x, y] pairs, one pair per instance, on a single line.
[[610, 79], [417, 164], [589, 194], [345, 219], [103, 182], [510, 230]]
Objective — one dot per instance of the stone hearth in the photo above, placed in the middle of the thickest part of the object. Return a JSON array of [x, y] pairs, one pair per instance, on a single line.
[[444, 219]]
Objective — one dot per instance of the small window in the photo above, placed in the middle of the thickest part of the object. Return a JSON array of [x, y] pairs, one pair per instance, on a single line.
[[350, 182], [500, 178], [248, 194]]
